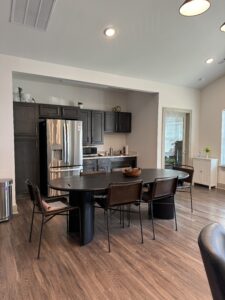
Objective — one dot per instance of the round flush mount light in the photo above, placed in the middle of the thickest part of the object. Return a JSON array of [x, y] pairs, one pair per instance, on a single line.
[[222, 28], [209, 60], [194, 7], [109, 32]]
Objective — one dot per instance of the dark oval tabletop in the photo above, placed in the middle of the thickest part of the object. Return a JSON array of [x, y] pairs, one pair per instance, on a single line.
[[100, 182]]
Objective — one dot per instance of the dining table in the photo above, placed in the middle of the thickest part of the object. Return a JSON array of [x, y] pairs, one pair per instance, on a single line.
[[82, 188]]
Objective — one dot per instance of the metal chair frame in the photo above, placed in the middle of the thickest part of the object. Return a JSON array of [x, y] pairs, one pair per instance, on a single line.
[[38, 208]]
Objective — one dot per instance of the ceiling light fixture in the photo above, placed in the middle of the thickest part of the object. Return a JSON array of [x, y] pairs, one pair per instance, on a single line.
[[194, 7], [209, 61], [222, 28], [109, 32]]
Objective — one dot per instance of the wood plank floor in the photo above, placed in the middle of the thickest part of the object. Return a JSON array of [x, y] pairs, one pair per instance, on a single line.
[[168, 268]]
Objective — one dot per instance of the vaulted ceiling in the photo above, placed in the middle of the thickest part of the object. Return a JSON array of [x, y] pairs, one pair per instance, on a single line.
[[153, 40]]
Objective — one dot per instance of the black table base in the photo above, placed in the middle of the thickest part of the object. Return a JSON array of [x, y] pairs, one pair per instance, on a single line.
[[83, 200], [162, 209]]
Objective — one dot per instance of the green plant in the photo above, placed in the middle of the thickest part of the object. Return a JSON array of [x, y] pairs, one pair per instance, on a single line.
[[207, 150]]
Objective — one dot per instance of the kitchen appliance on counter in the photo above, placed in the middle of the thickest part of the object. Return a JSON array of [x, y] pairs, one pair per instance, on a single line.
[[90, 151], [61, 152]]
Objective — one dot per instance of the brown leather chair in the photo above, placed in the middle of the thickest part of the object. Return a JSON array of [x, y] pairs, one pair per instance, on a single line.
[[48, 208], [211, 242], [185, 185], [120, 195], [162, 188]]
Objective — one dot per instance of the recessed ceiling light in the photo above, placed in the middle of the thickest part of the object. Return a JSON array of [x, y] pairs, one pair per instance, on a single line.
[[194, 7], [110, 32], [209, 61], [222, 28]]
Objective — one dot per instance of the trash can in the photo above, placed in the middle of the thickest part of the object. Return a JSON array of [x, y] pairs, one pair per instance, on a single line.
[[5, 199]]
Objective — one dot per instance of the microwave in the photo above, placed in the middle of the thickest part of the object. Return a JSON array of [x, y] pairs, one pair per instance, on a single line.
[[90, 151]]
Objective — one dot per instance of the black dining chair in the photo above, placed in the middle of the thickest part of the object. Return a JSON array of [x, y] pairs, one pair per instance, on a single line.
[[211, 242], [185, 185], [161, 189], [123, 195], [47, 208]]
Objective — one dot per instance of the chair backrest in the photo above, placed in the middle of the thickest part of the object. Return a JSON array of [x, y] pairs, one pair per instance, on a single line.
[[163, 188], [187, 169], [124, 193], [211, 242], [35, 195], [92, 173], [30, 188]]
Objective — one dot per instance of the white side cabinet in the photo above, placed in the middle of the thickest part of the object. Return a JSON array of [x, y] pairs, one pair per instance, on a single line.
[[205, 171]]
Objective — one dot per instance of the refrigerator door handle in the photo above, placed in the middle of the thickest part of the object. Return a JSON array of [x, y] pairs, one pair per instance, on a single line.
[[64, 143]]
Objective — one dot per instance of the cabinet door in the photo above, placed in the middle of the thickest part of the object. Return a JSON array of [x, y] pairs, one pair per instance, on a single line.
[[49, 111], [70, 112], [85, 117], [123, 162], [26, 162], [97, 127], [109, 121], [123, 122], [25, 119], [104, 164], [90, 165]]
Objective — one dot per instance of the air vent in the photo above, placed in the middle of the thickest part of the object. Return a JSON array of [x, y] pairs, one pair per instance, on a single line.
[[32, 13]]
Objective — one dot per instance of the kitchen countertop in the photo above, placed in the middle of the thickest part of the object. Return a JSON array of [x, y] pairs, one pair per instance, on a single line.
[[109, 156]]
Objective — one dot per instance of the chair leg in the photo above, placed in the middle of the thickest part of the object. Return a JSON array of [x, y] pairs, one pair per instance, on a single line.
[[31, 225], [120, 215], [39, 246], [191, 199], [152, 216], [142, 240], [175, 215], [67, 221], [108, 229], [123, 216], [80, 231], [129, 216]]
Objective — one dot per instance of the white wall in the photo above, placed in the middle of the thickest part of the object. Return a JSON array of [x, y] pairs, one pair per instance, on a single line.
[[212, 104], [143, 139], [169, 96]]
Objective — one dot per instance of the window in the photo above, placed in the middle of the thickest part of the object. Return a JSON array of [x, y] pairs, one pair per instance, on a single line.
[[223, 139]]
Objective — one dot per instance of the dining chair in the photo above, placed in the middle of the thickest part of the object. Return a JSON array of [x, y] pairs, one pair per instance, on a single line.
[[185, 185], [211, 242], [47, 208], [161, 189], [120, 195]]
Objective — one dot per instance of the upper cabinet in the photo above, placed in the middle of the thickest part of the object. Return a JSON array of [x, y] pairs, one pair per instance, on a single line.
[[117, 122], [93, 126], [25, 119], [48, 111]]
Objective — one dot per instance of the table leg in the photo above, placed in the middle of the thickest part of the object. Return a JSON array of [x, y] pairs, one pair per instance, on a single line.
[[83, 200]]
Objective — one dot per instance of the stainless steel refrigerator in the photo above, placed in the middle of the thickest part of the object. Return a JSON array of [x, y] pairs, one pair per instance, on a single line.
[[61, 152]]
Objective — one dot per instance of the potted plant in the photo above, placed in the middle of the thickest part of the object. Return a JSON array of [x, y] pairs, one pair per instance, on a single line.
[[207, 151]]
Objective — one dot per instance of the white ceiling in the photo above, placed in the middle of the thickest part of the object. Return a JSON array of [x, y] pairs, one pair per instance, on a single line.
[[153, 42]]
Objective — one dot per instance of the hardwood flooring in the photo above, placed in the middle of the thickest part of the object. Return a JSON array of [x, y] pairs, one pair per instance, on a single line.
[[169, 267]]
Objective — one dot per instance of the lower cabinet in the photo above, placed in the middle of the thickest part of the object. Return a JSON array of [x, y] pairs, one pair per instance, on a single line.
[[205, 171], [26, 162], [108, 164]]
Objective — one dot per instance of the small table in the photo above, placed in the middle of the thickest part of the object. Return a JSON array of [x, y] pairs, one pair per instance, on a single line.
[[81, 188]]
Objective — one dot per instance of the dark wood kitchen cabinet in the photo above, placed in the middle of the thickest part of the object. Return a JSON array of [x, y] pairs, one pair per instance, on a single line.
[[93, 126], [48, 111], [117, 122], [26, 144], [70, 112]]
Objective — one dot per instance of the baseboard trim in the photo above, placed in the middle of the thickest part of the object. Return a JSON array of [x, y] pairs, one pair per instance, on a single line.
[[14, 209], [221, 186]]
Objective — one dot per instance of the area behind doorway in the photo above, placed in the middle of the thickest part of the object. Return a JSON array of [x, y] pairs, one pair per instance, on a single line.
[[176, 137]]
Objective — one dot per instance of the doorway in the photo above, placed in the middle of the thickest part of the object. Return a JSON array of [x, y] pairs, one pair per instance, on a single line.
[[176, 137]]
